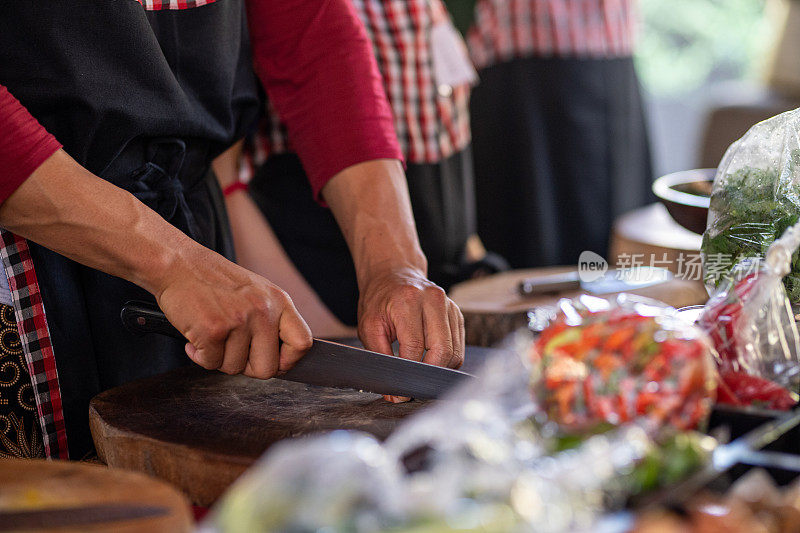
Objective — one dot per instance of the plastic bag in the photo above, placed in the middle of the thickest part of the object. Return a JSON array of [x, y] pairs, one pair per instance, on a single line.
[[755, 198], [751, 323], [610, 362], [344, 481], [470, 462]]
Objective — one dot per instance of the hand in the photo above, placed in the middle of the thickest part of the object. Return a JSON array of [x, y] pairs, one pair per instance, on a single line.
[[403, 305], [235, 321]]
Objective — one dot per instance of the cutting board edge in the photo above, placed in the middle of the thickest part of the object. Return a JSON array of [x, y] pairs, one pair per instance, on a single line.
[[200, 475]]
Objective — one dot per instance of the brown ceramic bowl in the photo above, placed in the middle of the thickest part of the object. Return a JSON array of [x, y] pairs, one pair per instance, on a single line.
[[687, 195]]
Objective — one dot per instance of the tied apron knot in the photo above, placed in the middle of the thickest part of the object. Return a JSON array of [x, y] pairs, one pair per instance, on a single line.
[[157, 184]]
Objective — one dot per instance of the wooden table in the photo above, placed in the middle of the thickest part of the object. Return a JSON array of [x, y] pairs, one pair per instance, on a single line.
[[650, 234], [36, 485], [493, 308]]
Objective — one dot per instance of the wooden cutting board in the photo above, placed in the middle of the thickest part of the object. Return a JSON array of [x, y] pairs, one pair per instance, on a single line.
[[30, 485], [200, 430]]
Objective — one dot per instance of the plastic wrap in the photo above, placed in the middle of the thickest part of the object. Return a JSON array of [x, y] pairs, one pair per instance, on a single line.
[[752, 325], [474, 461], [755, 198], [610, 362], [344, 481]]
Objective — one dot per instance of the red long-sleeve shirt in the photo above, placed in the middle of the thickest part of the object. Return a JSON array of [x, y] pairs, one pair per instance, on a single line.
[[316, 62], [24, 144]]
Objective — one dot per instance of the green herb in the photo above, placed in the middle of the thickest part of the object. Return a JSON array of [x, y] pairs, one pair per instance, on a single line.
[[754, 207]]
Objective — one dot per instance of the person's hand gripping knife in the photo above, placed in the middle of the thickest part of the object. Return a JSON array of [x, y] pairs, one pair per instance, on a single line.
[[237, 321], [397, 302]]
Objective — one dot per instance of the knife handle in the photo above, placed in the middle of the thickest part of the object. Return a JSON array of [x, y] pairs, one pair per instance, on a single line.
[[549, 284], [141, 317]]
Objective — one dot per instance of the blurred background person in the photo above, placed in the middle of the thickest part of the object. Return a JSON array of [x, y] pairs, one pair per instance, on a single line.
[[427, 77], [559, 137]]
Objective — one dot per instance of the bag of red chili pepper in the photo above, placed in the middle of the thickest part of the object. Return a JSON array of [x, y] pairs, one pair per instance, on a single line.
[[752, 325], [609, 362]]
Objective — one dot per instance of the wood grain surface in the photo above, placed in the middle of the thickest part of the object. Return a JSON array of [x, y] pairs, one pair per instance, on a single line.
[[29, 485], [200, 430]]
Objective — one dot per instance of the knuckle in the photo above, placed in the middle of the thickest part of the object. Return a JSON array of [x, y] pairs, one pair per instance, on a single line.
[[305, 342], [435, 293], [409, 293], [414, 344], [216, 330], [371, 325], [460, 318]]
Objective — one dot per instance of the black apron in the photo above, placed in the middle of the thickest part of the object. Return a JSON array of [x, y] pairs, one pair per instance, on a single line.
[[560, 149], [145, 100]]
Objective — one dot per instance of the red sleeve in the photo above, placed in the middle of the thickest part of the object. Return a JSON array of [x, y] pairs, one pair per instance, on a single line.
[[317, 65], [24, 144]]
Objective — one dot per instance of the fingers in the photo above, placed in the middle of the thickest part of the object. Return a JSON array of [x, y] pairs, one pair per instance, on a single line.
[[376, 335], [237, 348], [456, 320], [206, 345], [296, 337], [262, 361], [438, 336]]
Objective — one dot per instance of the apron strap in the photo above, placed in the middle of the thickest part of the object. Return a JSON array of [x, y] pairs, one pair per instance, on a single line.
[[34, 336]]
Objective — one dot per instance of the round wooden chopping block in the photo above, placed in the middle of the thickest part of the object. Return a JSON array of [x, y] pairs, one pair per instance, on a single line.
[[36, 487], [200, 430], [493, 308]]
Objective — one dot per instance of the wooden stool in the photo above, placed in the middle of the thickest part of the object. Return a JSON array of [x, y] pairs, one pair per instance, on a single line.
[[493, 308], [30, 490]]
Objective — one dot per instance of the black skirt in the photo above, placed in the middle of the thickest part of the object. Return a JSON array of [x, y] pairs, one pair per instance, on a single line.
[[560, 149]]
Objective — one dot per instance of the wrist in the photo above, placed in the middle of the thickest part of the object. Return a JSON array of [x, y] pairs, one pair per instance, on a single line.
[[415, 267], [166, 257], [234, 187]]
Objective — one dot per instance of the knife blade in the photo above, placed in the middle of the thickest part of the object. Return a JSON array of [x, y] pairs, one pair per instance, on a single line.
[[613, 281], [330, 364], [49, 518]]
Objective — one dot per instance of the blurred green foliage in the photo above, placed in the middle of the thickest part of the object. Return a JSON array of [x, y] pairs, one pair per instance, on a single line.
[[684, 44]]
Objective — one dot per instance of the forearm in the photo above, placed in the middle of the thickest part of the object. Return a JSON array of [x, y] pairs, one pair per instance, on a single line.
[[64, 207], [371, 204]]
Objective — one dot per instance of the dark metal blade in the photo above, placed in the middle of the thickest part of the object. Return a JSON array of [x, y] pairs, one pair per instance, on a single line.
[[75, 516], [330, 364]]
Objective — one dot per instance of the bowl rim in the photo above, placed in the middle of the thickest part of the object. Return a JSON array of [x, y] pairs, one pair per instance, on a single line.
[[662, 187]]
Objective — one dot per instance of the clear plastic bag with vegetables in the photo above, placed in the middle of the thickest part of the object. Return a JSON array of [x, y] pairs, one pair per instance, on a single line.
[[755, 198], [600, 362], [751, 323], [473, 461]]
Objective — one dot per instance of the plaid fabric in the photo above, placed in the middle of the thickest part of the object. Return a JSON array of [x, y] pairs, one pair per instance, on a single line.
[[35, 338], [506, 29], [431, 122], [158, 5]]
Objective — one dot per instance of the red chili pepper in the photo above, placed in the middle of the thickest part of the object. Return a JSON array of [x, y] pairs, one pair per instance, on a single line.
[[725, 395], [750, 389]]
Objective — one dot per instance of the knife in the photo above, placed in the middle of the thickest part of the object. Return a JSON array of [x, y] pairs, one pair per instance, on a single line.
[[613, 281], [58, 517], [330, 364]]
